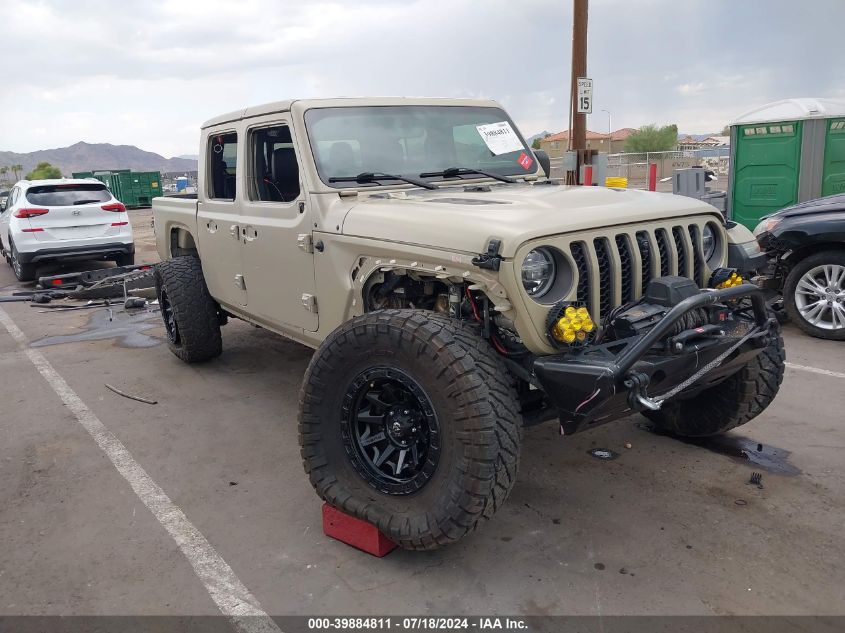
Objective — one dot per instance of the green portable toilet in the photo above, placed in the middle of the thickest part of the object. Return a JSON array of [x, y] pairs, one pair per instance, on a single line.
[[785, 152]]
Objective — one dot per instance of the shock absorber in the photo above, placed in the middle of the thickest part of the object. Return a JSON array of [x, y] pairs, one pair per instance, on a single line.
[[455, 299]]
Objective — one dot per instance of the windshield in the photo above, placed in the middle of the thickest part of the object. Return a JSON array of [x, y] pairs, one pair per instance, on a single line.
[[413, 140], [67, 195]]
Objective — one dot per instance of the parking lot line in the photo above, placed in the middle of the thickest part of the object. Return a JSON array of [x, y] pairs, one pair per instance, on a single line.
[[228, 592], [815, 370]]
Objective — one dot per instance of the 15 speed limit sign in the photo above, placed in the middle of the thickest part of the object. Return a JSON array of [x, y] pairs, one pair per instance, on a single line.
[[585, 95]]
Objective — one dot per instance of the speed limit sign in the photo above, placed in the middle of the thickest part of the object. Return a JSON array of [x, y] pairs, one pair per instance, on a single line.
[[585, 95]]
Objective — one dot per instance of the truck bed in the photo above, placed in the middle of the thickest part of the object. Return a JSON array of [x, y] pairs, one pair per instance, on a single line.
[[173, 212]]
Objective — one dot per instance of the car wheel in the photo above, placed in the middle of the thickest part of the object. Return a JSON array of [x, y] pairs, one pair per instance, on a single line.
[[409, 421], [190, 314], [23, 272], [125, 260], [814, 295], [733, 402]]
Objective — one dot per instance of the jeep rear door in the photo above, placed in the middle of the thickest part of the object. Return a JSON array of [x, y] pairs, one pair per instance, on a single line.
[[218, 220]]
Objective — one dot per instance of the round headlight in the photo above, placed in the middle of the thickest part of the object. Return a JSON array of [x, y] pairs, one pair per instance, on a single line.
[[538, 272], [708, 242]]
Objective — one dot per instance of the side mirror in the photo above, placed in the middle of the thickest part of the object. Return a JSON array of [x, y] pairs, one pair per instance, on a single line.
[[544, 161]]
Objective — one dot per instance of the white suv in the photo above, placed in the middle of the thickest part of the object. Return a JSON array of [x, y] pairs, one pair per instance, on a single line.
[[62, 220]]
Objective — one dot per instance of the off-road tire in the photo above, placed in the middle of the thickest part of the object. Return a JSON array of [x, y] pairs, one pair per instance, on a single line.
[[180, 286], [477, 410], [125, 260], [791, 283], [731, 403], [23, 272]]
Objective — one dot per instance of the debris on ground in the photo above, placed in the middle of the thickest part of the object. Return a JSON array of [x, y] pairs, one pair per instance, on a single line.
[[603, 453], [628, 444], [129, 395], [756, 479]]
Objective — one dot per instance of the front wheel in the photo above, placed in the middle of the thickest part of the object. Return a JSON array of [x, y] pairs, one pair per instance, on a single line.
[[408, 420], [814, 295], [733, 402], [190, 314]]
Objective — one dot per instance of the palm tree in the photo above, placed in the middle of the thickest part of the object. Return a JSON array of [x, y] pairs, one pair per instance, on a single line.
[[3, 171], [18, 169]]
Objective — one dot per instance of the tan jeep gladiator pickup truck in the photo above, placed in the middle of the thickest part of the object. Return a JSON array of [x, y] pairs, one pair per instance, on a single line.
[[454, 294]]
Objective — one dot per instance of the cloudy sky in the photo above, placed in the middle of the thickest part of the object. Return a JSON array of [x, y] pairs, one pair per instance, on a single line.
[[148, 73]]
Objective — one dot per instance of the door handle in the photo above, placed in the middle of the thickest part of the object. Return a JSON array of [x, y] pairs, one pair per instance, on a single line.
[[233, 231], [250, 234], [211, 226]]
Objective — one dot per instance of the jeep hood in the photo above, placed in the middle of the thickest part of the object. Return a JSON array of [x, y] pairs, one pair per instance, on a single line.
[[466, 217]]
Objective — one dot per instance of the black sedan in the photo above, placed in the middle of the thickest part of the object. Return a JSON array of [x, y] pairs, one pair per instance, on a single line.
[[805, 244]]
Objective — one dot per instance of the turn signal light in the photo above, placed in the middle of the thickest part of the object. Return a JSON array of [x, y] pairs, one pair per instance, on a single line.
[[30, 213], [117, 207]]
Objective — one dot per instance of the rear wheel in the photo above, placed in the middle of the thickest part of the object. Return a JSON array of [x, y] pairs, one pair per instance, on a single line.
[[814, 295], [23, 272], [190, 315], [125, 260], [409, 421]]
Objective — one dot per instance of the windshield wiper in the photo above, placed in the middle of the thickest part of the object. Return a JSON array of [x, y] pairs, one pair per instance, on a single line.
[[85, 201], [368, 177], [454, 172]]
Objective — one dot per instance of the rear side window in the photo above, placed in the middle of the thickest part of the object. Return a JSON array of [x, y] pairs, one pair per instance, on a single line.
[[67, 195], [223, 163]]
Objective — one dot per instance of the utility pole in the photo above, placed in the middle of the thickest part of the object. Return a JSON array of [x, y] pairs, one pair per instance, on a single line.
[[578, 127]]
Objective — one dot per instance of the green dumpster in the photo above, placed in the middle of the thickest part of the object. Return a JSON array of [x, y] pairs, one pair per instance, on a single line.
[[783, 153], [133, 188]]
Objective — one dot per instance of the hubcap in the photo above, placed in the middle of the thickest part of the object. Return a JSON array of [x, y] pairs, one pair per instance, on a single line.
[[169, 317], [820, 296], [390, 431]]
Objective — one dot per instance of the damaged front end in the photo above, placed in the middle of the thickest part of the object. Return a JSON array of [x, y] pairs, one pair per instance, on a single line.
[[675, 341]]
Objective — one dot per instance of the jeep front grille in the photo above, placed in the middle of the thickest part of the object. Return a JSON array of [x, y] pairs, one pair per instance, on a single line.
[[616, 269]]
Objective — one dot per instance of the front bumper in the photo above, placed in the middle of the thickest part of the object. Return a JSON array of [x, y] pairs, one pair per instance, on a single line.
[[602, 383], [100, 251]]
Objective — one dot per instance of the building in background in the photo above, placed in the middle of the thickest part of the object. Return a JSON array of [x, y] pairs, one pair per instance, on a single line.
[[556, 144]]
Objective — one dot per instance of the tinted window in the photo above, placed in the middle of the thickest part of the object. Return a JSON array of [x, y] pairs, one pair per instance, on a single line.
[[275, 172], [223, 163], [67, 195]]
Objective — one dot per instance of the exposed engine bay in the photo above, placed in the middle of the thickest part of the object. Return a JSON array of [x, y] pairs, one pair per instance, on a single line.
[[639, 348]]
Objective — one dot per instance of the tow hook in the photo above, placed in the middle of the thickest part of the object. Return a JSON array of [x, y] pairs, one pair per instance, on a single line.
[[637, 395]]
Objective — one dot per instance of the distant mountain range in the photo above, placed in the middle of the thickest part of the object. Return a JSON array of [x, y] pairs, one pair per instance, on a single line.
[[94, 156]]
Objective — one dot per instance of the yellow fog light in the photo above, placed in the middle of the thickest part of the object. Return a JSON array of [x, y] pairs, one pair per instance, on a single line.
[[570, 324]]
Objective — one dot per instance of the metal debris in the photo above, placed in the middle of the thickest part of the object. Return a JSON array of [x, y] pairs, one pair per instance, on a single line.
[[603, 453], [130, 396]]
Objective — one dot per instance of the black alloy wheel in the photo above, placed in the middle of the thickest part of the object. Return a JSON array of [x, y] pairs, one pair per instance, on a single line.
[[390, 431]]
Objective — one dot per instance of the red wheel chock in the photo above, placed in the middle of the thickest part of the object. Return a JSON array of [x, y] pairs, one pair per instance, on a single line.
[[355, 532]]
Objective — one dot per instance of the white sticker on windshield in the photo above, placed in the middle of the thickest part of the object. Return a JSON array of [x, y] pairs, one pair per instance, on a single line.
[[500, 137]]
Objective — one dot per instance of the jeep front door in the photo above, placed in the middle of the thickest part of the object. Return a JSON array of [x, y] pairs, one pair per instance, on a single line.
[[275, 231]]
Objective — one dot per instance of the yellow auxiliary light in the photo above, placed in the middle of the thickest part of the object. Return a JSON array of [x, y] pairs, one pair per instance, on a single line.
[[730, 282], [573, 325]]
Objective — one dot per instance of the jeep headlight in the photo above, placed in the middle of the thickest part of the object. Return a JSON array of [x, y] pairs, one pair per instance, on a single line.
[[538, 272], [708, 242]]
